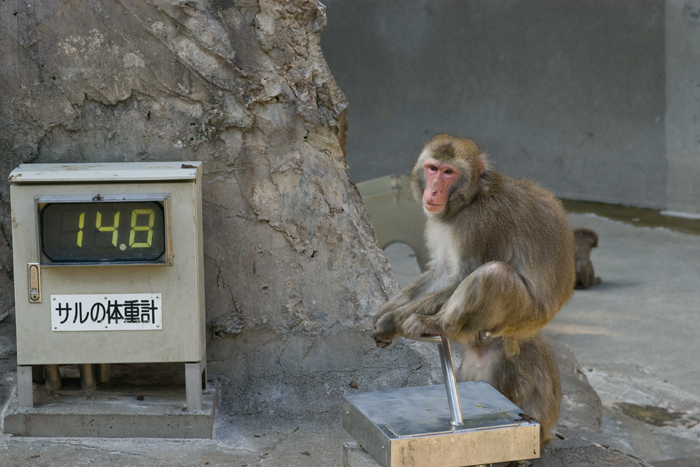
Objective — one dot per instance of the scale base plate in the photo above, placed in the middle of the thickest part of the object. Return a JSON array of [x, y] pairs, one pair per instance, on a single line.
[[411, 427]]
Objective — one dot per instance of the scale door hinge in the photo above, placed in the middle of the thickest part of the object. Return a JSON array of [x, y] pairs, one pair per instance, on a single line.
[[34, 271]]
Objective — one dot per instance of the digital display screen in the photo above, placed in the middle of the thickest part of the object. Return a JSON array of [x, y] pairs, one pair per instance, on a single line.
[[121, 232]]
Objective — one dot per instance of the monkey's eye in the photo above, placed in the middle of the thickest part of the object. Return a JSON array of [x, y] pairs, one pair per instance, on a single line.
[[449, 172], [432, 168]]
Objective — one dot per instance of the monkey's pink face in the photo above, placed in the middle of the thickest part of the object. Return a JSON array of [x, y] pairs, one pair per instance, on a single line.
[[439, 176]]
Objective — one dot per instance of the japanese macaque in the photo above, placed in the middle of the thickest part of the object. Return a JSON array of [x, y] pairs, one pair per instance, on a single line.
[[584, 241], [502, 265]]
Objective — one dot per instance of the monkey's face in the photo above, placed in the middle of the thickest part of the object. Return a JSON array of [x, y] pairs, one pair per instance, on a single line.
[[440, 177]]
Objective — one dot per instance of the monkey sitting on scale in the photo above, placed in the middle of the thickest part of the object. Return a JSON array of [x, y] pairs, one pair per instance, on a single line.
[[502, 265]]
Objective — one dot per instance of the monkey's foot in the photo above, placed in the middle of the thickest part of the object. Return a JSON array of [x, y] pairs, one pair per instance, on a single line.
[[382, 337], [384, 330], [525, 418]]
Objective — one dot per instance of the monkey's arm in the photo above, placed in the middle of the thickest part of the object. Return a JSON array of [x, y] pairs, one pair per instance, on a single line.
[[411, 292]]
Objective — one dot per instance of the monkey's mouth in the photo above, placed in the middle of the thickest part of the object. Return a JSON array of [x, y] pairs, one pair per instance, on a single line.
[[433, 207]]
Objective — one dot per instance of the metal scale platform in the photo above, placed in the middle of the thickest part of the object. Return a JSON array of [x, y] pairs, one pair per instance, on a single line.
[[429, 426]]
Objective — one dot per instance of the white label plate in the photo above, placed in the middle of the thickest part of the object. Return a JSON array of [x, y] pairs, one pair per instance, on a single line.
[[106, 312]]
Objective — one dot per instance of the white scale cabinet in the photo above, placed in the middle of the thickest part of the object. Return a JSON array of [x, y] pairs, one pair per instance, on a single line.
[[108, 268]]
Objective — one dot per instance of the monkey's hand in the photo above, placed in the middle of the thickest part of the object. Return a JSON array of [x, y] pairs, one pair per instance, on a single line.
[[384, 330]]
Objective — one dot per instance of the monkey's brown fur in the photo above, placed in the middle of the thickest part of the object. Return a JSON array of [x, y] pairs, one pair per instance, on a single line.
[[584, 241], [529, 379], [502, 262]]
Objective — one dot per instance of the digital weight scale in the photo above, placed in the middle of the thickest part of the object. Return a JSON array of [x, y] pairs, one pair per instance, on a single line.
[[108, 269], [430, 426]]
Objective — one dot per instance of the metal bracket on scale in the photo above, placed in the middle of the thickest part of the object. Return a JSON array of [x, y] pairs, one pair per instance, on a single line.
[[428, 426]]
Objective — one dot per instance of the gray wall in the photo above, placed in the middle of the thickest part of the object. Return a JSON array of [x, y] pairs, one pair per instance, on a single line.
[[683, 105], [578, 95]]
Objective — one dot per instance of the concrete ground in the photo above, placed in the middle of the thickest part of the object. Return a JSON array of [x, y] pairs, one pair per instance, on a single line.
[[635, 336]]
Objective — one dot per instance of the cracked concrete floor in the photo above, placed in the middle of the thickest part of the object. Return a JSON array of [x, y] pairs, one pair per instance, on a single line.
[[240, 441], [636, 334]]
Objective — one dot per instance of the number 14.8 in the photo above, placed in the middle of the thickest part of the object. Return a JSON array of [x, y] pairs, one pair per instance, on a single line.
[[142, 220]]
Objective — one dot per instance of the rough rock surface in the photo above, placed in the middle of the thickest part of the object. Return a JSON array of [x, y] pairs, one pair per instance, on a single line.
[[293, 270], [581, 408]]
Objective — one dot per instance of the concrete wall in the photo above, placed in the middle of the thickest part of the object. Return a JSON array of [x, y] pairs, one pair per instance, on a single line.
[[683, 105], [594, 99]]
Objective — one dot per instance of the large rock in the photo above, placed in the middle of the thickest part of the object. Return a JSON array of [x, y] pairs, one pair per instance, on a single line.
[[581, 408], [293, 270]]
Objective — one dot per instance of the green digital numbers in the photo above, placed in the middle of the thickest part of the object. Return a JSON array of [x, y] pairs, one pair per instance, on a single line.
[[81, 224], [135, 214], [110, 228], [84, 232]]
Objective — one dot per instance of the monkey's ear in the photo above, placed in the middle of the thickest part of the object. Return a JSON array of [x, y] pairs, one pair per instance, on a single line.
[[481, 166]]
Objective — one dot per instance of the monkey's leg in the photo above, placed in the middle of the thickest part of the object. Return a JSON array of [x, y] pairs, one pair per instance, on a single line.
[[494, 298], [531, 381]]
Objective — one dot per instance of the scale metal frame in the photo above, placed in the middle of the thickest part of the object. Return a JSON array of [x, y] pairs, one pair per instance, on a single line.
[[418, 427]]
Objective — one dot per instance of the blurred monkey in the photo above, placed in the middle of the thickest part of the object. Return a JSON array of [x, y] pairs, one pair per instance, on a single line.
[[584, 241]]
